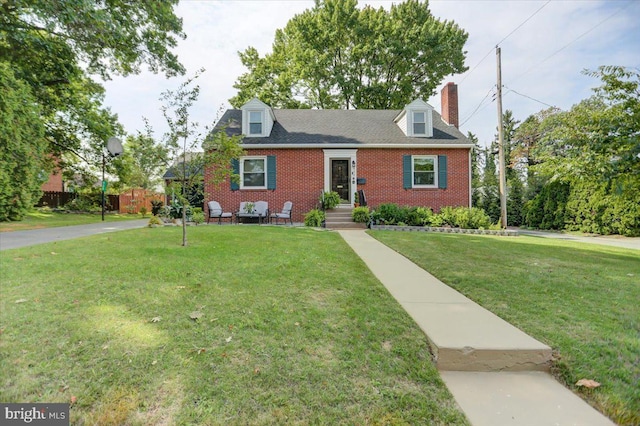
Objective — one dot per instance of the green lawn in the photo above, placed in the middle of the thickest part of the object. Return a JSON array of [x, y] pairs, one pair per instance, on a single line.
[[38, 219], [290, 328], [583, 300]]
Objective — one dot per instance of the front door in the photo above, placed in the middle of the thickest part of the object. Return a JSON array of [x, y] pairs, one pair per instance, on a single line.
[[340, 179]]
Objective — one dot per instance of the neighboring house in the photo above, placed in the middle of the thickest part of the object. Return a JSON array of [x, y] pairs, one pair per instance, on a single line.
[[412, 156], [178, 171]]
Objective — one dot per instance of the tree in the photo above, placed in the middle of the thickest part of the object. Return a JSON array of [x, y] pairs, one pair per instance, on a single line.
[[489, 201], [22, 148], [510, 126], [515, 200], [475, 170], [592, 151], [53, 47], [599, 136], [338, 56], [525, 140], [183, 141], [143, 161]]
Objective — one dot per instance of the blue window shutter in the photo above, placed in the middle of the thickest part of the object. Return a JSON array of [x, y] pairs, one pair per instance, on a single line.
[[271, 172], [407, 179], [235, 166], [442, 171]]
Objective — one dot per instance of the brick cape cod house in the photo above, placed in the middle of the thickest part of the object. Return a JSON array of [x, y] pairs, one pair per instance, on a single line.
[[413, 156]]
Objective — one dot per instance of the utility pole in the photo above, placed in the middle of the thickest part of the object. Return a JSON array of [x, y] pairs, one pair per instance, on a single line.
[[502, 174]]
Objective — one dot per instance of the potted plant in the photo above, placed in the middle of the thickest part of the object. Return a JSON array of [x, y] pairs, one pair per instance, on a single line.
[[356, 199], [330, 200]]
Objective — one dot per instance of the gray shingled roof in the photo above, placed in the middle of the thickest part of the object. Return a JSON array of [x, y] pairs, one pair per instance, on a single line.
[[341, 127]]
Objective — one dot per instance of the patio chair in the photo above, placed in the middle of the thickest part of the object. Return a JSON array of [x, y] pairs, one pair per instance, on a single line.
[[215, 211], [284, 214]]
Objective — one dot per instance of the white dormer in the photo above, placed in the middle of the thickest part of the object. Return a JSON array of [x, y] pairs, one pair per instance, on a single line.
[[257, 119], [416, 119]]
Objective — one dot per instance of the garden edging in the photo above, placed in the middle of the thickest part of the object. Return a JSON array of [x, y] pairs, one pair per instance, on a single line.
[[500, 232]]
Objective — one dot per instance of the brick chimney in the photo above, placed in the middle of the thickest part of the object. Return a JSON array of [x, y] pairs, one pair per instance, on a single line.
[[449, 103]]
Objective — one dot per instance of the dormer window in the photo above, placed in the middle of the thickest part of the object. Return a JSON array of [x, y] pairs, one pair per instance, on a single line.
[[257, 119], [419, 123], [416, 119], [255, 123]]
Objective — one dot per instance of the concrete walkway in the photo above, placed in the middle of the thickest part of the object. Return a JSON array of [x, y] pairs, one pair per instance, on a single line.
[[17, 239], [497, 373]]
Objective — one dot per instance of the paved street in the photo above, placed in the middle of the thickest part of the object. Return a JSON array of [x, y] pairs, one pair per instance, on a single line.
[[17, 239]]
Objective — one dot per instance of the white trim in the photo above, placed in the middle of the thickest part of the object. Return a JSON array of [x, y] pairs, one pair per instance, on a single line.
[[434, 158], [241, 171], [351, 145], [341, 154], [249, 122]]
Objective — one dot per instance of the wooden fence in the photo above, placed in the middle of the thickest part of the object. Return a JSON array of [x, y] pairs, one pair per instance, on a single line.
[[129, 202], [55, 199], [132, 200]]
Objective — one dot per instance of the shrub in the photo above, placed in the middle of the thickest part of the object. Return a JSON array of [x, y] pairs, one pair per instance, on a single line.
[[314, 218], [447, 216], [154, 220], [156, 206], [330, 200], [547, 210], [389, 214], [464, 217], [143, 211], [419, 216], [197, 215], [361, 215], [85, 203]]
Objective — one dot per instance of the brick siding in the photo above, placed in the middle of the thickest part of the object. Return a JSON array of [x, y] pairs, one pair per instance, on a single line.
[[300, 179]]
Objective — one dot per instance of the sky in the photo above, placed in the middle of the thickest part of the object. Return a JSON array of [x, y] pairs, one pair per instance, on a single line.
[[545, 46]]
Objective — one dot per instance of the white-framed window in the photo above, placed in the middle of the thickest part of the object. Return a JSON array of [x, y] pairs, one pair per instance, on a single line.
[[419, 123], [424, 171], [256, 122], [253, 172]]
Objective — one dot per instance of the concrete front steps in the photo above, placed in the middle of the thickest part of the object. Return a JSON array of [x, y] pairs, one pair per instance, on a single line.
[[340, 218], [497, 374]]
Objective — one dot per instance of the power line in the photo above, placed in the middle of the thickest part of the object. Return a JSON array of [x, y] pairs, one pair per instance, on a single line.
[[529, 97], [574, 40], [524, 22], [479, 105], [506, 37]]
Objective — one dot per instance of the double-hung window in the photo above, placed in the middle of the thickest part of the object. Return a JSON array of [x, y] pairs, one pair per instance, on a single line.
[[419, 123], [253, 172], [255, 123], [424, 171]]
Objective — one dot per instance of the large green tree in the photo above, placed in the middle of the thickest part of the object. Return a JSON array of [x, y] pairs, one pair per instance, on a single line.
[[336, 55], [600, 136], [143, 161], [594, 150], [22, 147], [55, 47]]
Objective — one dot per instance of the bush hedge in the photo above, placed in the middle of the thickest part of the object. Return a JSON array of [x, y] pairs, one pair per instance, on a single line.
[[458, 217]]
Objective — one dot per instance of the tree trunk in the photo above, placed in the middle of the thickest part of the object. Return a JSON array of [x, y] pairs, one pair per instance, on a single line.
[[184, 225]]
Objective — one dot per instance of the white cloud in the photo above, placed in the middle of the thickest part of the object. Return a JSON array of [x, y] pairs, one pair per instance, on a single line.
[[542, 59]]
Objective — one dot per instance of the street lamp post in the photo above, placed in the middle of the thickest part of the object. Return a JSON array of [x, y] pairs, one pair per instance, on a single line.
[[114, 146]]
